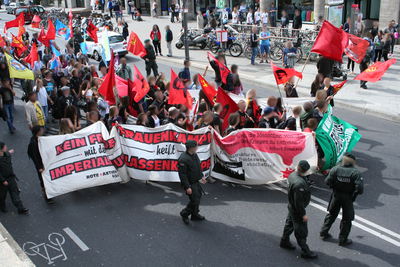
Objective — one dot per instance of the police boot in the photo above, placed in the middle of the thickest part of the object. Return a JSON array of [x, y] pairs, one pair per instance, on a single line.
[[308, 254], [345, 242], [326, 236], [285, 243], [185, 218], [197, 217]]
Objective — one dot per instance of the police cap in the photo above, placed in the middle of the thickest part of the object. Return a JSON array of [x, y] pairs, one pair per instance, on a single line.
[[304, 165], [190, 144]]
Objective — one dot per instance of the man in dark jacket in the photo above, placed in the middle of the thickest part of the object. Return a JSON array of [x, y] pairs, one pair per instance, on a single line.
[[297, 23], [8, 181], [325, 66], [299, 197], [190, 174], [168, 38], [63, 101], [150, 59], [347, 184], [34, 155]]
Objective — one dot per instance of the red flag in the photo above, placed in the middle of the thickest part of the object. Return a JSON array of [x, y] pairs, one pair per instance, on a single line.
[[51, 30], [223, 70], [21, 29], [20, 19], [283, 75], [122, 86], [135, 46], [256, 112], [71, 29], [92, 32], [229, 106], [330, 42], [178, 94], [356, 48], [375, 72], [337, 87], [43, 39], [35, 21], [33, 55], [107, 87], [208, 90], [140, 85], [18, 44]]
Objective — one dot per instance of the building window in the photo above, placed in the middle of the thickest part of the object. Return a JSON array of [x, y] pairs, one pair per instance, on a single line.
[[306, 7], [370, 9]]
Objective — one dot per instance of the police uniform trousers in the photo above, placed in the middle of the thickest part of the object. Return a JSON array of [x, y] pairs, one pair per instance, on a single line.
[[344, 202], [192, 208], [299, 227], [11, 188], [151, 65]]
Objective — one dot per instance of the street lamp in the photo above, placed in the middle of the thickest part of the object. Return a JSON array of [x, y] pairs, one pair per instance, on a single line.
[[185, 28]]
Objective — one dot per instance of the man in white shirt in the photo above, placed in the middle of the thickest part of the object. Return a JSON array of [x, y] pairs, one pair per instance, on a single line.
[[264, 17]]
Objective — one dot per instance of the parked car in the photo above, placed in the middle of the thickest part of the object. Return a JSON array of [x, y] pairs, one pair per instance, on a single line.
[[117, 44], [29, 12], [12, 6]]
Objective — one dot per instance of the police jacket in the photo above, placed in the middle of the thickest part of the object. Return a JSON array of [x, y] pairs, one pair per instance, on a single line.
[[6, 169], [189, 169], [299, 195], [346, 180]]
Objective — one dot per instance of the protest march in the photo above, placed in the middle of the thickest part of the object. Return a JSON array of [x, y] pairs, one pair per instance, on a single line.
[[97, 119]]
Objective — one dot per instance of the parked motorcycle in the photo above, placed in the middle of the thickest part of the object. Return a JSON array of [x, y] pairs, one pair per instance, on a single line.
[[193, 40]]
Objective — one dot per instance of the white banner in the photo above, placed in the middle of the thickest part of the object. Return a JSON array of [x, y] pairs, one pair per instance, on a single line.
[[152, 153], [76, 161], [260, 156]]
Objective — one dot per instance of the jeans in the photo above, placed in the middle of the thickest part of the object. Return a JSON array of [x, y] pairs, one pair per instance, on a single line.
[[46, 112], [169, 46], [9, 109], [254, 53]]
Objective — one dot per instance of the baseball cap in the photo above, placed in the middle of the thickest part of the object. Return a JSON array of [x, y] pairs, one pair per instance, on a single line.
[[304, 165], [268, 110]]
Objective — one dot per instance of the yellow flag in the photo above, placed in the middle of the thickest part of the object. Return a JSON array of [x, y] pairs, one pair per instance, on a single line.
[[17, 70]]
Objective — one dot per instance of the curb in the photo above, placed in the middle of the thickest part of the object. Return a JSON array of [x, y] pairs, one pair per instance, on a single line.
[[338, 102], [11, 254]]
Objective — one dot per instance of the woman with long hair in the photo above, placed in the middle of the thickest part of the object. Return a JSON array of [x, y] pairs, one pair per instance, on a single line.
[[71, 112], [155, 36], [66, 126]]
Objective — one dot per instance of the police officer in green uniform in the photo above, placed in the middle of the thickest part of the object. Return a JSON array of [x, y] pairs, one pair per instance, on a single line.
[[299, 197], [190, 175], [347, 183]]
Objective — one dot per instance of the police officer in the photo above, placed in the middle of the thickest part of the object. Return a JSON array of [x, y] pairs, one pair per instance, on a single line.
[[299, 197], [347, 183], [190, 174], [8, 181]]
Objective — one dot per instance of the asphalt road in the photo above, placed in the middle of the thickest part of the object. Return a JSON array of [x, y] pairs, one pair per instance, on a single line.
[[138, 224]]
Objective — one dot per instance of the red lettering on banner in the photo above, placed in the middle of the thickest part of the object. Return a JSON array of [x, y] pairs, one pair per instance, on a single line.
[[287, 144], [138, 137], [95, 138], [70, 144], [158, 164]]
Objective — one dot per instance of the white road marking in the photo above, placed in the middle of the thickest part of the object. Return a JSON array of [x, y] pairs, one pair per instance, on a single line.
[[355, 223], [76, 239]]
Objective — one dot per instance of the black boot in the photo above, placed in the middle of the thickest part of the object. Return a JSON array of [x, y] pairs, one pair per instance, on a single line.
[[308, 254], [23, 211], [197, 217], [185, 218], [326, 236], [285, 243], [345, 242]]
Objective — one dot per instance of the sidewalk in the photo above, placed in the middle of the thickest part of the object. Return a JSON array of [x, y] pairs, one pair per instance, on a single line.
[[381, 99], [11, 255]]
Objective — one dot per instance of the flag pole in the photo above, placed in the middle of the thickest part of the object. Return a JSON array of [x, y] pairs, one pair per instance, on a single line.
[[304, 66]]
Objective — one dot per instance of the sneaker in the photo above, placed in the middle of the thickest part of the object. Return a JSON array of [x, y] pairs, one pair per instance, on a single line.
[[23, 211], [197, 217], [325, 237], [309, 255], [345, 242], [287, 245]]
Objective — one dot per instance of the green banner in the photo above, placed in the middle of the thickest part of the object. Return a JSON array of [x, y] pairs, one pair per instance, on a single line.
[[336, 137]]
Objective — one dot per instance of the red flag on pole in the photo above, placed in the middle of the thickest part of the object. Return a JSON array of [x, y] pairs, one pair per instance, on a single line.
[[356, 48], [330, 42], [135, 46], [18, 44], [337, 87], [20, 19], [71, 29], [51, 30], [43, 39], [107, 87], [283, 75], [375, 72], [141, 86], [92, 32], [228, 106], [223, 70], [33, 55], [208, 90], [178, 94], [21, 28]]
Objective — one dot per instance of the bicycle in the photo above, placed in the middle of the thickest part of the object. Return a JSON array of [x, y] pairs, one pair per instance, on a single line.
[[235, 49]]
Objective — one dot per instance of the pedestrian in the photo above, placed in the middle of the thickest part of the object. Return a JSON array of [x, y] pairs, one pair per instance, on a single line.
[[264, 17], [184, 74], [8, 181], [7, 95], [177, 11], [150, 59], [290, 89], [200, 20], [34, 155], [299, 196], [110, 7], [265, 35], [297, 23], [267, 115], [172, 11], [34, 112], [257, 17], [272, 14], [284, 23], [117, 10], [359, 26], [254, 44], [387, 41], [289, 55], [154, 9], [93, 5], [378, 42], [155, 36], [392, 30], [327, 86], [347, 183], [168, 38], [363, 66], [236, 83], [235, 15], [325, 66], [190, 174], [123, 70], [250, 17]]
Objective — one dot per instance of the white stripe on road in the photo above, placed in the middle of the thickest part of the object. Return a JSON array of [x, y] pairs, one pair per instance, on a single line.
[[76, 239], [356, 224]]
